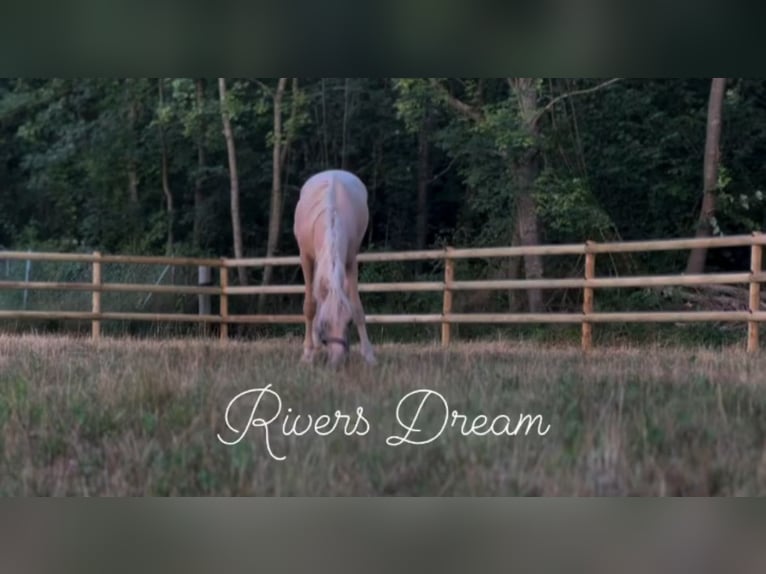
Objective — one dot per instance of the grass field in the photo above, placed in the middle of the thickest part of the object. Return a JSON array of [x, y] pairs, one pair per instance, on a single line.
[[124, 417]]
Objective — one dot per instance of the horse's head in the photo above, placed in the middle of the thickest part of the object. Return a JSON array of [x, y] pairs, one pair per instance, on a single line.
[[331, 323]]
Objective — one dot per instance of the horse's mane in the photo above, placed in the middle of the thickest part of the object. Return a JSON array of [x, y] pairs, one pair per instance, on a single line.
[[331, 265]]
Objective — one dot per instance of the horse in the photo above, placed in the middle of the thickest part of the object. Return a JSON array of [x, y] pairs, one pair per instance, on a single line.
[[330, 222]]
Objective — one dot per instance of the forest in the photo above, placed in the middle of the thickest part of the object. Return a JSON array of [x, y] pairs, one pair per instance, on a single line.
[[213, 166]]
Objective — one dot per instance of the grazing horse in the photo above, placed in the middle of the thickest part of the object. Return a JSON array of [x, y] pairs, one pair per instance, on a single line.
[[330, 222]]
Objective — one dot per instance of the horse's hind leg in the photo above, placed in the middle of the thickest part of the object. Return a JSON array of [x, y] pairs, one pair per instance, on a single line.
[[309, 309], [357, 312]]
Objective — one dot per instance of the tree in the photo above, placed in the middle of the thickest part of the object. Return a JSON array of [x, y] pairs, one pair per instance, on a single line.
[[231, 151], [199, 93], [696, 263], [95, 163], [277, 161], [162, 114], [526, 168], [521, 158], [133, 104], [424, 177]]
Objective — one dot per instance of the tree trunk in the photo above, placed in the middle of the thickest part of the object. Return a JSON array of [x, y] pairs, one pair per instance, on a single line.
[[276, 187], [132, 163], [377, 160], [424, 177], [236, 225], [696, 263], [526, 169], [343, 152], [529, 233], [325, 149], [289, 133], [164, 172], [513, 267], [199, 180], [133, 181]]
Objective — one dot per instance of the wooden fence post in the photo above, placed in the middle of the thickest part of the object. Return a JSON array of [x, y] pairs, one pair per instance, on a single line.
[[587, 298], [756, 254], [449, 277], [27, 272], [204, 306], [224, 302], [95, 325]]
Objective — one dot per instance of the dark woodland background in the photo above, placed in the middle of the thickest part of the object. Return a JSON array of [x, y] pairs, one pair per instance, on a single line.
[[190, 166]]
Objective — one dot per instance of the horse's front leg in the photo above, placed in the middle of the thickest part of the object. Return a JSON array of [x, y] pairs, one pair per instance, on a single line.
[[309, 309], [357, 312]]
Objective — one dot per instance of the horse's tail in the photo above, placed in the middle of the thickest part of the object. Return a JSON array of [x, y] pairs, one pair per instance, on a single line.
[[331, 265]]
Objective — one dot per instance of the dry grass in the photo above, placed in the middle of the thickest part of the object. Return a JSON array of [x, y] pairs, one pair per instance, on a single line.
[[141, 418]]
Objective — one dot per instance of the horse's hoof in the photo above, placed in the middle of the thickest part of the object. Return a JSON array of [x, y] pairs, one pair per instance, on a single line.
[[308, 357], [370, 359]]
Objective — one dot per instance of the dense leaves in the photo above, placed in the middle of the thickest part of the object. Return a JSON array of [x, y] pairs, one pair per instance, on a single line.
[[80, 160]]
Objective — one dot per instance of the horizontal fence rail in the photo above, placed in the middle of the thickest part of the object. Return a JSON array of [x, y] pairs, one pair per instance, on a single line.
[[589, 283]]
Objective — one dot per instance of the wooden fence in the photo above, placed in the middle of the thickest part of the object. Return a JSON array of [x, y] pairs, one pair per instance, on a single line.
[[588, 283]]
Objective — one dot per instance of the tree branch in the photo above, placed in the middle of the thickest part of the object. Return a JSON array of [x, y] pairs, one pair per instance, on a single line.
[[265, 87], [446, 169], [557, 99], [458, 104]]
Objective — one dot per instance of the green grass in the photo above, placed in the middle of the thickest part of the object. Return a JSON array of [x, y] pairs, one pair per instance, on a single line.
[[127, 417]]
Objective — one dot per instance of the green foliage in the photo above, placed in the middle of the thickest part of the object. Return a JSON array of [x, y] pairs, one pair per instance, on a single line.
[[643, 150], [569, 210], [621, 162], [415, 97], [741, 213]]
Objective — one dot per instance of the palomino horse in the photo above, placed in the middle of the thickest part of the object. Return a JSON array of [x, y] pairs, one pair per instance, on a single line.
[[330, 222]]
